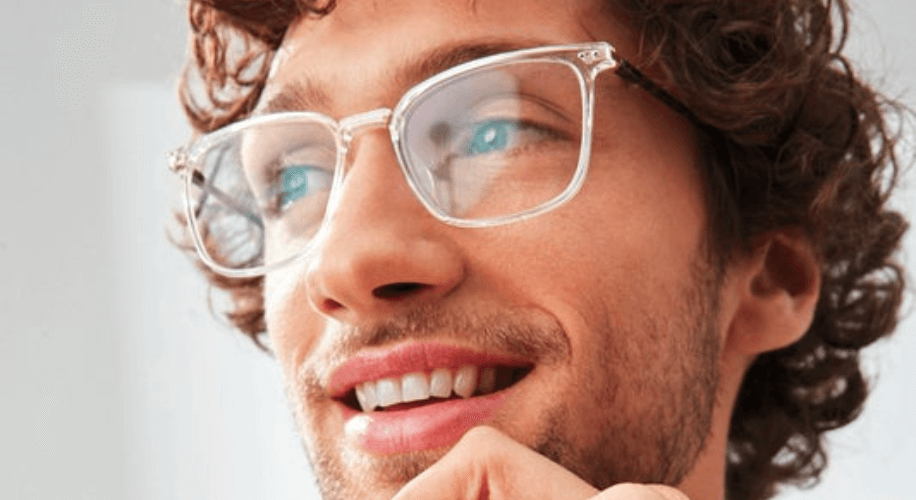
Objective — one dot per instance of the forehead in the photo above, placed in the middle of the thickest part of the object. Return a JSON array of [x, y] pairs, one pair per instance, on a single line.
[[359, 50]]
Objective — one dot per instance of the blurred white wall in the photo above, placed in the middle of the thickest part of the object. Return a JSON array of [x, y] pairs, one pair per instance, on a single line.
[[115, 380]]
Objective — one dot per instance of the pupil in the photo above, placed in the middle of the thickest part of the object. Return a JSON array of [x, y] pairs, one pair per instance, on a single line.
[[490, 137], [491, 134], [295, 179], [295, 184]]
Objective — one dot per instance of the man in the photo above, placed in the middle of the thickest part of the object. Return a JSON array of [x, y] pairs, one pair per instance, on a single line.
[[539, 249]]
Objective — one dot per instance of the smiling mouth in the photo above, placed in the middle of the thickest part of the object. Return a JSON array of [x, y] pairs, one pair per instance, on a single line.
[[417, 389]]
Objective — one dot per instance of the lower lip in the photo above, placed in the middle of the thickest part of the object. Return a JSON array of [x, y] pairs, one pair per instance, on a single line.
[[421, 428]]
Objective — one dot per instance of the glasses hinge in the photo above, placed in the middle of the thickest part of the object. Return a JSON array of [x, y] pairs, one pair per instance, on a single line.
[[589, 56], [178, 160], [598, 59]]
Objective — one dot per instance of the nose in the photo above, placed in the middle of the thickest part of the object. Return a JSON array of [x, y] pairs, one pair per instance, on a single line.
[[380, 251]]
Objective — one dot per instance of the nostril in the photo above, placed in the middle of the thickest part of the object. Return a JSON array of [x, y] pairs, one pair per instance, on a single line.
[[398, 290], [330, 305]]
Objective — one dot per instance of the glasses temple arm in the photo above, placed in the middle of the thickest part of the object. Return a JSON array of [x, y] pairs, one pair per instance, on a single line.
[[208, 190], [629, 73]]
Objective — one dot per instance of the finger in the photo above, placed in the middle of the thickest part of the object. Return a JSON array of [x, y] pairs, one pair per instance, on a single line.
[[629, 491], [487, 464]]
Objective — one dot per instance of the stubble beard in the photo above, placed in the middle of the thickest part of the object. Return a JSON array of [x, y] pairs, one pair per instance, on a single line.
[[660, 445], [665, 450]]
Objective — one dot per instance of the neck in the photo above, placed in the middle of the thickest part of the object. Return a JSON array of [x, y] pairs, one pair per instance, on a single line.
[[706, 481]]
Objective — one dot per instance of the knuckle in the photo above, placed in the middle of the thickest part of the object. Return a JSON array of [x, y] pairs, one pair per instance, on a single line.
[[484, 451], [668, 493], [632, 491], [622, 491], [480, 439]]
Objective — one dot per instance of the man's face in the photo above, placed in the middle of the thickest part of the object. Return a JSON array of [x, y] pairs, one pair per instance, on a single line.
[[593, 328]]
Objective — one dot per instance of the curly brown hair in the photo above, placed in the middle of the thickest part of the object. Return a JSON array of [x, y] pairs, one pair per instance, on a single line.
[[801, 141]]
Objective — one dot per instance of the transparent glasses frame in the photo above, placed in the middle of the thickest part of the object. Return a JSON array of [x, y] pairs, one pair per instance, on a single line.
[[587, 60]]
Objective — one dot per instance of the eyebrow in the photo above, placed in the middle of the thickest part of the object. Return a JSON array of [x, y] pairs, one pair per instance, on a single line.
[[306, 94]]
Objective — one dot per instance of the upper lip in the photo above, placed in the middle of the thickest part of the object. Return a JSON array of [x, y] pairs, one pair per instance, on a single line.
[[410, 358]]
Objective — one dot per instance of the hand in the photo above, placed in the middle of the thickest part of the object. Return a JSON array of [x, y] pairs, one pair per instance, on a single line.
[[488, 465]]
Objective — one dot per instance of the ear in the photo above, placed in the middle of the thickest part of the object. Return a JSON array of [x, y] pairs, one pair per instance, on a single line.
[[773, 293]]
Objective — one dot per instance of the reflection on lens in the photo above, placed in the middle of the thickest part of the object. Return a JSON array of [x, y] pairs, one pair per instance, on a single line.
[[496, 142], [264, 191]]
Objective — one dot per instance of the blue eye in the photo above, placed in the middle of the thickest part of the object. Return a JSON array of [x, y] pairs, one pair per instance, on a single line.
[[302, 180], [491, 136]]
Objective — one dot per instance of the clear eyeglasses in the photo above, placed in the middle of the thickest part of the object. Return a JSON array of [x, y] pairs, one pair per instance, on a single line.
[[496, 140]]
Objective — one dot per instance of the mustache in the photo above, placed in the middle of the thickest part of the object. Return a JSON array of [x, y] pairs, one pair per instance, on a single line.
[[526, 333]]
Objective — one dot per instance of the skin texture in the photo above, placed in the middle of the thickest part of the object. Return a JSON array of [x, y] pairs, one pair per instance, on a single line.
[[639, 347]]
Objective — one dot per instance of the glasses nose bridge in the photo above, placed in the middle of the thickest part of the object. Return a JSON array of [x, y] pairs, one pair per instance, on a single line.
[[347, 129], [369, 119]]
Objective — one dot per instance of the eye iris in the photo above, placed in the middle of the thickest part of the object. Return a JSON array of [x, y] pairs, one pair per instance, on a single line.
[[489, 137], [295, 183]]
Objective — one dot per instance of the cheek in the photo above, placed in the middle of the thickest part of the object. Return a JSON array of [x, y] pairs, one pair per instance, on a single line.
[[607, 244], [619, 251], [292, 325], [642, 209]]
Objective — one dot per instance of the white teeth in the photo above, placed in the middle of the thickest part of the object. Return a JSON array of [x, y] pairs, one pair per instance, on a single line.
[[466, 381], [487, 383], [418, 386], [388, 392], [440, 383], [414, 387], [365, 393]]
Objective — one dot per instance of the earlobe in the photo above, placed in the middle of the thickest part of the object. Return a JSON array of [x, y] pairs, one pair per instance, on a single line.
[[777, 286]]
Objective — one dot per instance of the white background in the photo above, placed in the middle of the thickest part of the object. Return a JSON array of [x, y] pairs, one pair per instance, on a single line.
[[115, 380]]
